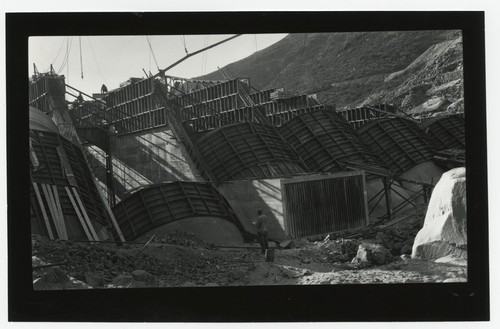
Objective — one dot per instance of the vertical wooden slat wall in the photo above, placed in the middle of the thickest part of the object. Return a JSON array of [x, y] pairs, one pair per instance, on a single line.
[[321, 205]]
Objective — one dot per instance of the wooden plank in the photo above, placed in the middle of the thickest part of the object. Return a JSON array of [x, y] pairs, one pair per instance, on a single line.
[[323, 176], [146, 207], [68, 172], [84, 212], [78, 214], [50, 203], [365, 196], [60, 212], [44, 214], [284, 202], [57, 202], [57, 217]]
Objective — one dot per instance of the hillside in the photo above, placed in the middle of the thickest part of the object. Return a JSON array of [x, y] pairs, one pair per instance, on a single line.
[[350, 69]]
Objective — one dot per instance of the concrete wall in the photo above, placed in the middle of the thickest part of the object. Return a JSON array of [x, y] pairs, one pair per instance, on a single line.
[[210, 229], [155, 155], [152, 156], [245, 197], [426, 172]]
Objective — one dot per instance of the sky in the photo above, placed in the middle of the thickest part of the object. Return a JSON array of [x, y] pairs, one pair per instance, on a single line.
[[114, 59]]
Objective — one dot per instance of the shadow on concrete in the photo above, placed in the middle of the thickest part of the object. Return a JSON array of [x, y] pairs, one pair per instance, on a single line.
[[245, 197], [98, 169], [153, 159]]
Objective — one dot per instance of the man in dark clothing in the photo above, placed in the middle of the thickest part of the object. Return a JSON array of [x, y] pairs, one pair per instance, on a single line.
[[262, 224], [104, 89], [79, 99]]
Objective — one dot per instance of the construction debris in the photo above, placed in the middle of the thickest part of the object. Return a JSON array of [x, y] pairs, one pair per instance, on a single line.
[[182, 260]]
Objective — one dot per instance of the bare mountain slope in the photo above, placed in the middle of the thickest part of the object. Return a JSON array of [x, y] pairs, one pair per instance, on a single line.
[[434, 81], [350, 69]]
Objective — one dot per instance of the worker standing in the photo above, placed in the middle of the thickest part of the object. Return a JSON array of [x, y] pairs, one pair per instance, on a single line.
[[79, 99], [262, 225], [104, 89]]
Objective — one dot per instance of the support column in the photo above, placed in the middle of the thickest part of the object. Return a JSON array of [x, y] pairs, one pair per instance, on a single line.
[[109, 167], [388, 199]]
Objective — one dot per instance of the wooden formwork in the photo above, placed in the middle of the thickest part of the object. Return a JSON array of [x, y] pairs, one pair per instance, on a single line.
[[62, 188], [447, 132], [209, 93], [248, 150], [325, 141], [134, 108], [278, 116], [399, 143], [262, 96], [159, 204], [358, 117]]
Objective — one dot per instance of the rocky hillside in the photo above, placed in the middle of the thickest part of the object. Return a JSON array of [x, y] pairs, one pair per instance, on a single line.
[[414, 70]]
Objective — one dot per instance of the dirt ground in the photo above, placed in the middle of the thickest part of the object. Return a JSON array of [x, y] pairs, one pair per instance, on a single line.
[[182, 260]]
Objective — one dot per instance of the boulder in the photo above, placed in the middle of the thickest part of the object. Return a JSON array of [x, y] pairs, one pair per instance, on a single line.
[[382, 238], [396, 249], [364, 254], [285, 244], [452, 259], [373, 253], [124, 279], [141, 275], [406, 249], [212, 284], [77, 275], [188, 284], [75, 284], [306, 260], [300, 243], [238, 275], [41, 284], [454, 280], [35, 261], [54, 275], [93, 279], [137, 284], [291, 272], [445, 226], [56, 279]]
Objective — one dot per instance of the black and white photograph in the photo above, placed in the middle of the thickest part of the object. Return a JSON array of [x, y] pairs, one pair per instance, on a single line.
[[244, 159]]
